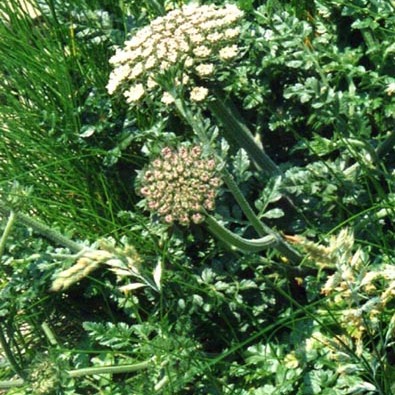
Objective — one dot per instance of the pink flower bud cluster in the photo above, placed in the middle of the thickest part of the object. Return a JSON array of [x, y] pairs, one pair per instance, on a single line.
[[180, 184], [196, 37]]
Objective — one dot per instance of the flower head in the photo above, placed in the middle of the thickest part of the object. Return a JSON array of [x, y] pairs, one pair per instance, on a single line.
[[180, 184], [198, 38], [199, 93]]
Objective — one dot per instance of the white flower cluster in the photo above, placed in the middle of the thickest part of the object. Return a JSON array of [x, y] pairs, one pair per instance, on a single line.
[[197, 38]]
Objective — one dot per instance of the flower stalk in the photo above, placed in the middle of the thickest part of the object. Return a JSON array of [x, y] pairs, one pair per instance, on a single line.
[[260, 227], [197, 125], [237, 131], [235, 241]]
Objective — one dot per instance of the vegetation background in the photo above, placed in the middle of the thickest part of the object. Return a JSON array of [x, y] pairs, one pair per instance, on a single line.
[[315, 83]]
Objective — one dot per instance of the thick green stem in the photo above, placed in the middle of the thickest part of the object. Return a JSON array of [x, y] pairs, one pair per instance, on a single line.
[[109, 369], [42, 229], [281, 245], [6, 232], [258, 225], [235, 241], [237, 131], [263, 230]]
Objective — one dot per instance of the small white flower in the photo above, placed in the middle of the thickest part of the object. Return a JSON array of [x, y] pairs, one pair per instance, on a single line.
[[232, 32], [215, 37], [184, 80], [232, 13], [135, 93], [151, 83], [118, 75], [390, 90], [150, 63], [198, 93], [183, 45], [120, 56], [227, 53], [188, 62], [147, 50], [204, 70], [202, 51], [161, 51], [172, 57], [164, 66], [137, 70], [212, 24], [167, 98], [196, 38]]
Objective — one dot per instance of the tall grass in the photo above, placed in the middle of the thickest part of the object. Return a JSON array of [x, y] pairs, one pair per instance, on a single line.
[[44, 84]]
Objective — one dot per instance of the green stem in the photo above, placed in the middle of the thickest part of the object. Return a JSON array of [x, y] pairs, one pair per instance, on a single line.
[[49, 334], [235, 241], [261, 228], [110, 369], [7, 231], [11, 383], [195, 123], [9, 355], [90, 371], [237, 131], [43, 229], [283, 247], [386, 146]]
